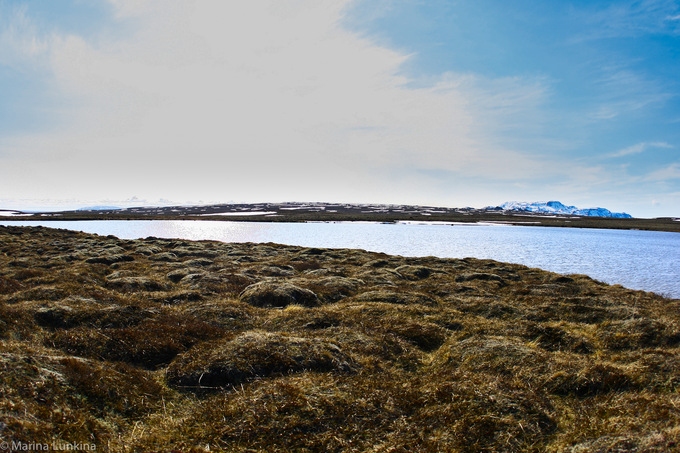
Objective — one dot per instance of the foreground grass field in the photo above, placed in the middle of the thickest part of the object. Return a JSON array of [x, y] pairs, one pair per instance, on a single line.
[[170, 345]]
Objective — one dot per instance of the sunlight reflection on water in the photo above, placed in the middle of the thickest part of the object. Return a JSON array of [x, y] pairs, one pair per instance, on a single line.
[[648, 260]]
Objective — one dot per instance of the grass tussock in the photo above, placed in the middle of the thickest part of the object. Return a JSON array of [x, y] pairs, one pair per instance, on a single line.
[[150, 344], [170, 345], [278, 294], [254, 355]]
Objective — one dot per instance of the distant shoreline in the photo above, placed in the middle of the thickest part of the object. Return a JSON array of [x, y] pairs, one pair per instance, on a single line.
[[662, 224], [327, 212]]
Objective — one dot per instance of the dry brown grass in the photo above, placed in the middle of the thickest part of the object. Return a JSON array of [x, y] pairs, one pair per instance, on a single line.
[[169, 345], [253, 355]]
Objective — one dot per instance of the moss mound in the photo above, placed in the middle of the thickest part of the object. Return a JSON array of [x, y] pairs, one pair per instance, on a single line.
[[277, 294], [253, 355]]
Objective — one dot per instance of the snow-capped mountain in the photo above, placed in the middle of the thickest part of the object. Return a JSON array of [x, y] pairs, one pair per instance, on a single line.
[[555, 207]]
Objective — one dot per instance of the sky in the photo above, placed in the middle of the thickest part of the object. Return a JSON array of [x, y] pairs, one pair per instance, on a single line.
[[443, 103]]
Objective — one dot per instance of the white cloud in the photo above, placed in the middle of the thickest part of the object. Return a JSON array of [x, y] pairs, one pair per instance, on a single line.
[[265, 100]]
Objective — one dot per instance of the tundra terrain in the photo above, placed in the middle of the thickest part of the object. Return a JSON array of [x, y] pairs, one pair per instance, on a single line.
[[172, 345]]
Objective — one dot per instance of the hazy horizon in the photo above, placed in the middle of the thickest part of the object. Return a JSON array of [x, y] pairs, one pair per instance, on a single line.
[[72, 205], [439, 103]]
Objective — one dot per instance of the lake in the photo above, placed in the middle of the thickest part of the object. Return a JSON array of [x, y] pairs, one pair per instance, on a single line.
[[647, 260]]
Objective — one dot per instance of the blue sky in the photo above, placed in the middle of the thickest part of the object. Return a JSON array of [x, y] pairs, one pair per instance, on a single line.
[[452, 103]]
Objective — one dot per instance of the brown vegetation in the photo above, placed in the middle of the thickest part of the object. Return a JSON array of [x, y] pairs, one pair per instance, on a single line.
[[170, 345]]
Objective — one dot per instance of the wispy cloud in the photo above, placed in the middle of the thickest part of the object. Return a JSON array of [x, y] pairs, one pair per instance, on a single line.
[[669, 173], [631, 18], [639, 148], [22, 45], [623, 90]]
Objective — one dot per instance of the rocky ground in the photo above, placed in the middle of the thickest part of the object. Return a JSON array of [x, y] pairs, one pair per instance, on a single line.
[[171, 345]]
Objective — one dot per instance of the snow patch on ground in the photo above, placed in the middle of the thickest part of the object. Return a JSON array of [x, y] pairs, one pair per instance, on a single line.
[[242, 213], [13, 213]]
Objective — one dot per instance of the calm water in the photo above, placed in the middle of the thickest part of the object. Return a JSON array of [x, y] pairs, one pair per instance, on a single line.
[[647, 260]]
